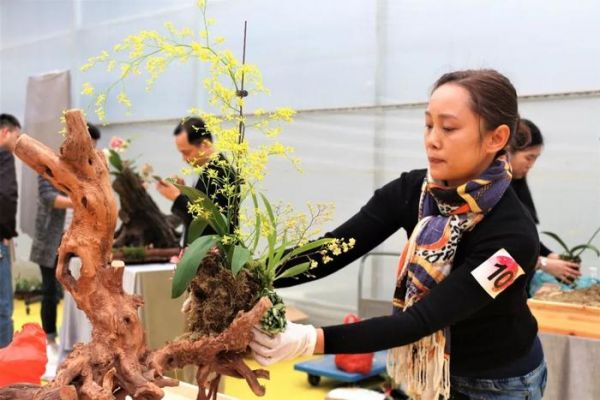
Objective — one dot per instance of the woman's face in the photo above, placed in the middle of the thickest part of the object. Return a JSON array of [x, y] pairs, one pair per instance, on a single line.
[[523, 160], [456, 149]]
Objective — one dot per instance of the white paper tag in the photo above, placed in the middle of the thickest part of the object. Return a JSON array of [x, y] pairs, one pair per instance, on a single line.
[[497, 273]]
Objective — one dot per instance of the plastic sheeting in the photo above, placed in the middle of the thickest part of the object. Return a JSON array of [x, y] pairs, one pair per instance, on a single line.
[[314, 54], [319, 55]]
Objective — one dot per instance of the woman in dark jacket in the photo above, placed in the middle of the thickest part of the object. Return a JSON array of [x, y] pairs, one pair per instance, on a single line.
[[49, 227], [525, 148], [460, 327]]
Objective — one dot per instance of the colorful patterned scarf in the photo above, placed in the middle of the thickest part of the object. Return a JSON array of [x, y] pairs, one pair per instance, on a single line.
[[445, 213]]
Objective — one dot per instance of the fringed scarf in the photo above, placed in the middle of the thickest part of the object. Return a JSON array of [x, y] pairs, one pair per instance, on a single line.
[[445, 213]]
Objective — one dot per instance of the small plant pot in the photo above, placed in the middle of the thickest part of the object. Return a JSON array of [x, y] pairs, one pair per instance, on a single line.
[[566, 257]]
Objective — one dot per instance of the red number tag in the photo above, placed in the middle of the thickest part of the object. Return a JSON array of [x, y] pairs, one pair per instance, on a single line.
[[497, 273]]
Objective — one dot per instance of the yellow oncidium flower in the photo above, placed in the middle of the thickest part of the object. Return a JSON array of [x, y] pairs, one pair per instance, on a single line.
[[123, 99], [248, 140], [87, 89]]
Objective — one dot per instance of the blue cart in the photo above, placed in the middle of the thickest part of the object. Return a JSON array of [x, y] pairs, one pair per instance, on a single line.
[[325, 367], [367, 308]]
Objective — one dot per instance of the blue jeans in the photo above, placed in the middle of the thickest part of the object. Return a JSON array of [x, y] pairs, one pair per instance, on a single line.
[[6, 297], [527, 387]]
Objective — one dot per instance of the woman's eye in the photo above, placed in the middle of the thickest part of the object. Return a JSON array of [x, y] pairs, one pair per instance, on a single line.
[[428, 127], [448, 129]]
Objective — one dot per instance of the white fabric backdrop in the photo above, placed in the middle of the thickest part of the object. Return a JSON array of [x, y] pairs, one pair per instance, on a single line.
[[47, 96]]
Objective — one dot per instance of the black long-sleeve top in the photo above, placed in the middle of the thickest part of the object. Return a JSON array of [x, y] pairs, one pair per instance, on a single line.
[[522, 190], [485, 333], [8, 195], [212, 187]]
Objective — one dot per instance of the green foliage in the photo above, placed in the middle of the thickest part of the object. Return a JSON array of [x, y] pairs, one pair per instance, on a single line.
[[207, 211], [196, 228], [241, 256], [25, 285], [134, 252], [274, 320], [271, 241], [574, 253], [114, 159], [189, 263]]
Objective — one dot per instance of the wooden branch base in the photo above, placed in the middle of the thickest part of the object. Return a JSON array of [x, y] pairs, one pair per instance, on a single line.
[[116, 362]]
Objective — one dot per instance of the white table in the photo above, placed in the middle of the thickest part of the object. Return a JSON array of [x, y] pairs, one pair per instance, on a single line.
[[185, 391]]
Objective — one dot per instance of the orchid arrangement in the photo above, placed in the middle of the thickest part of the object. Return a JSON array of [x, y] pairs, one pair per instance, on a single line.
[[270, 239], [116, 148]]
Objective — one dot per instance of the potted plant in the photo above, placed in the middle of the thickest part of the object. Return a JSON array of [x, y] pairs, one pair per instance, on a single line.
[[272, 242], [29, 290], [146, 234], [229, 275], [573, 254]]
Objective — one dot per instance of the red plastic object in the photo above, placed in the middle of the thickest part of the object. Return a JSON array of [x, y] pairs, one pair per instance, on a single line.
[[24, 359], [360, 363]]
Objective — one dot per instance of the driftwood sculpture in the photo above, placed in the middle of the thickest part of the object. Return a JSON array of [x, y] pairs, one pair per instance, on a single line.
[[116, 363], [143, 223]]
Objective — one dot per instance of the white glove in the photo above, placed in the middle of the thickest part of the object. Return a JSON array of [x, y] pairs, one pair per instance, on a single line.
[[296, 341]]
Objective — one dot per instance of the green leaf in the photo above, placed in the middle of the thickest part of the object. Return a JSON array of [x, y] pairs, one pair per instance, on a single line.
[[588, 242], [295, 270], [189, 263], [593, 236], [196, 229], [559, 240], [227, 251], [280, 251], [315, 244], [241, 255], [269, 209], [216, 219], [583, 247], [191, 193], [272, 238], [115, 160], [257, 224]]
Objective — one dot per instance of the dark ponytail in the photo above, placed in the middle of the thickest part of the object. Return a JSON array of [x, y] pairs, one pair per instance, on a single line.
[[528, 135]]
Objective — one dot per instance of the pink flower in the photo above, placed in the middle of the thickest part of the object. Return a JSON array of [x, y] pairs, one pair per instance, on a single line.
[[118, 144], [177, 258]]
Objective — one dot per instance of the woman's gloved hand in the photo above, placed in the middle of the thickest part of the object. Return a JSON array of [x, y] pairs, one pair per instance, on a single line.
[[296, 341]]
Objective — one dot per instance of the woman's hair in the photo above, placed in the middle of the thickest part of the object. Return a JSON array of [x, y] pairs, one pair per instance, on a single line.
[[493, 96], [528, 135]]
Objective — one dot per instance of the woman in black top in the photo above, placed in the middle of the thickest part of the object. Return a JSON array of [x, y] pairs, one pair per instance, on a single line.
[[525, 148], [461, 327]]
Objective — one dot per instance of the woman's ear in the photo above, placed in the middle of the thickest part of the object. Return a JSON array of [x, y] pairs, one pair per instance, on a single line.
[[497, 139]]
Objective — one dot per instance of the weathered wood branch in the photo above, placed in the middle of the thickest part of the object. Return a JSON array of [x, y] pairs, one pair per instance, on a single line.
[[116, 362]]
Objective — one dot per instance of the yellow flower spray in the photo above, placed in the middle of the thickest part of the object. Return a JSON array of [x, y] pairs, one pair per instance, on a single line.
[[265, 231]]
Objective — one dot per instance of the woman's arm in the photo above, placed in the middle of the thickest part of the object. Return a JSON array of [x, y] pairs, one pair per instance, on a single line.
[[51, 197], [61, 201], [385, 213], [544, 251], [457, 297]]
